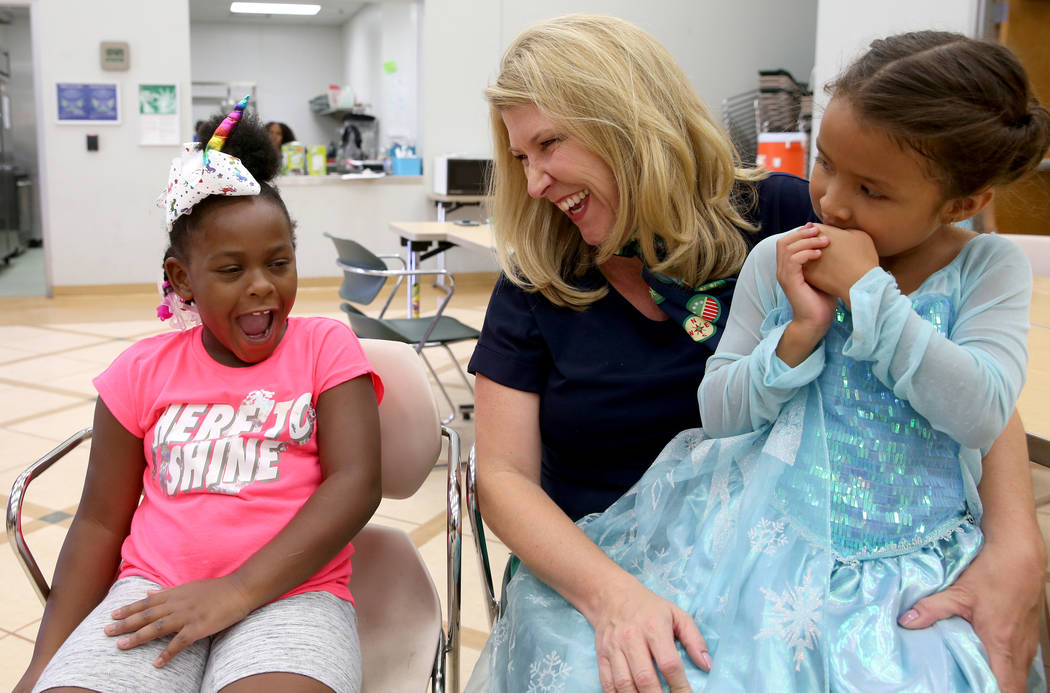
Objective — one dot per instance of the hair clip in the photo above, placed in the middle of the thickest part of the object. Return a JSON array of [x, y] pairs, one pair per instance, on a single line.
[[183, 314]]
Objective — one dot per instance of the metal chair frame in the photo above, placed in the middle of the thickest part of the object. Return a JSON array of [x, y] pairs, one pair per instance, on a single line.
[[447, 285], [493, 606], [445, 673]]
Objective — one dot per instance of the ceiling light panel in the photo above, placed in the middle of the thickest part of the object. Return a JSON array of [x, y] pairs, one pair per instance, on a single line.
[[273, 8]]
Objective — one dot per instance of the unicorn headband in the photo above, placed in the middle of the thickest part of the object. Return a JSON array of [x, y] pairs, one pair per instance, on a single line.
[[196, 174], [201, 172]]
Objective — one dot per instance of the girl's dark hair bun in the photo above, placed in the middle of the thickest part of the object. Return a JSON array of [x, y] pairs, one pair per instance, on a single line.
[[249, 142], [964, 104]]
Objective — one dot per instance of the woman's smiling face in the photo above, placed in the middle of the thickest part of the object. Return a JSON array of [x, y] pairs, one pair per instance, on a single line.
[[559, 169]]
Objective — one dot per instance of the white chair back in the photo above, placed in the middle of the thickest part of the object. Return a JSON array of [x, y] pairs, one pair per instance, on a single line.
[[398, 609], [408, 417], [1036, 247]]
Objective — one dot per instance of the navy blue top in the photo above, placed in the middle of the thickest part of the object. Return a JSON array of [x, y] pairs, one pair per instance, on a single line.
[[614, 386]]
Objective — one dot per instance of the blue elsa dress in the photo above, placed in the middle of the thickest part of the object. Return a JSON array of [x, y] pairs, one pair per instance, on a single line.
[[820, 502]]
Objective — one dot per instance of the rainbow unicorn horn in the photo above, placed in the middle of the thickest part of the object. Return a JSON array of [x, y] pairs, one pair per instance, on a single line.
[[218, 139]]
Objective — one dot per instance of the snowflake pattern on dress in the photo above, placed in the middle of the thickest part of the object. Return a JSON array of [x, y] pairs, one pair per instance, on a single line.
[[549, 674], [618, 542], [503, 636], [499, 632], [747, 467], [696, 454], [655, 491], [720, 486], [497, 639], [767, 536], [663, 573], [692, 442], [794, 615], [785, 437], [540, 600], [724, 521]]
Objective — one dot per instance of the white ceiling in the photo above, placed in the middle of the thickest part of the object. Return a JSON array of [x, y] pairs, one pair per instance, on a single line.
[[333, 13]]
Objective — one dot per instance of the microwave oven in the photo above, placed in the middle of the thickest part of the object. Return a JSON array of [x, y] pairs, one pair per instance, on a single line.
[[460, 175]]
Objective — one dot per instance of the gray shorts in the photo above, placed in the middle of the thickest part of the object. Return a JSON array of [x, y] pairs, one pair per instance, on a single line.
[[313, 634]]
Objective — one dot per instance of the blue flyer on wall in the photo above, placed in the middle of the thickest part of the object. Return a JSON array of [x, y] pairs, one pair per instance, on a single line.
[[88, 103]]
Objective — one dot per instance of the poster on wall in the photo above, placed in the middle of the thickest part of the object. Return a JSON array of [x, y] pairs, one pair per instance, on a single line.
[[158, 114], [88, 103]]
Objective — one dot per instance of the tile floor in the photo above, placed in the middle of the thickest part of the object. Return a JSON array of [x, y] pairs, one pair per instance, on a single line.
[[51, 348], [23, 275]]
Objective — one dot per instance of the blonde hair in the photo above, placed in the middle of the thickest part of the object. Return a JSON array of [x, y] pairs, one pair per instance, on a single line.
[[617, 91]]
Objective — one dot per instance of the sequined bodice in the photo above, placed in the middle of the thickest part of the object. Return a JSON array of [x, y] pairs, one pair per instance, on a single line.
[[895, 481]]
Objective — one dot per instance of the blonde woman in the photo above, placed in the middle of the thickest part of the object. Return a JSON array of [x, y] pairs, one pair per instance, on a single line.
[[622, 219]]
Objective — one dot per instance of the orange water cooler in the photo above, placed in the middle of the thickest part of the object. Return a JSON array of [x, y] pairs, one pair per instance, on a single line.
[[783, 151]]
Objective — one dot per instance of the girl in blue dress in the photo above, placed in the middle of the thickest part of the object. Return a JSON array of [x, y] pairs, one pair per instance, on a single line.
[[866, 365]]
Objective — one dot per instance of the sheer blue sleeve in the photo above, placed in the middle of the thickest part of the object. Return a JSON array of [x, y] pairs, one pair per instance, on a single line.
[[746, 383], [966, 383]]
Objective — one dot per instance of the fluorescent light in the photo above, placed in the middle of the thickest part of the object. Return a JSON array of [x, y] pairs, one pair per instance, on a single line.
[[273, 8]]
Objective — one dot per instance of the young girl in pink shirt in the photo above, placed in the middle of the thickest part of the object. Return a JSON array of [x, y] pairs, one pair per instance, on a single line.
[[252, 440]]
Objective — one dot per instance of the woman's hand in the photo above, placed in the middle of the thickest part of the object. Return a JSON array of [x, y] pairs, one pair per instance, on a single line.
[[1000, 594], [191, 611], [848, 256], [632, 626], [812, 308], [638, 629]]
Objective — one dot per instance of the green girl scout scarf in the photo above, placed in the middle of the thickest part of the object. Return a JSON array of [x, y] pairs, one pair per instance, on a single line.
[[701, 311]]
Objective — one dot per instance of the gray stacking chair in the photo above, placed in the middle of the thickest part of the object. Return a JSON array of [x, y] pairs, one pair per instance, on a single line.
[[364, 277]]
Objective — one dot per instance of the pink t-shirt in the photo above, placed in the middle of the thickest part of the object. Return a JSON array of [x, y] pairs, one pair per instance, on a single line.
[[231, 453]]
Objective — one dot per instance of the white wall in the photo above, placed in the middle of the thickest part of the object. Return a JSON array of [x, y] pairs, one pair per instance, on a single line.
[[100, 222], [361, 210], [362, 47], [290, 64], [462, 45], [398, 108], [846, 27], [720, 45], [376, 34]]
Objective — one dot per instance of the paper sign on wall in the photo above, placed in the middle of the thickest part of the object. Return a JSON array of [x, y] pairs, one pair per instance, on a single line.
[[158, 114], [88, 103]]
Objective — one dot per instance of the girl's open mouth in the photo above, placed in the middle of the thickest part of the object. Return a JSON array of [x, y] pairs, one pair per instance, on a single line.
[[256, 326]]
